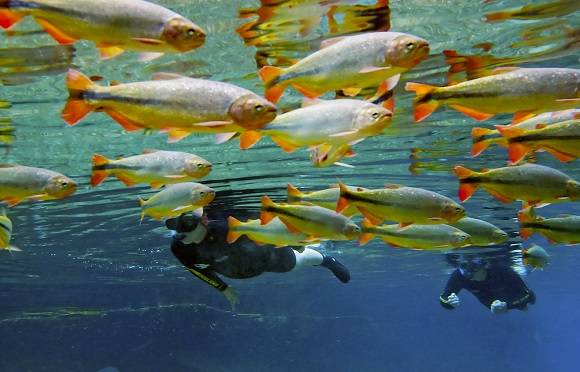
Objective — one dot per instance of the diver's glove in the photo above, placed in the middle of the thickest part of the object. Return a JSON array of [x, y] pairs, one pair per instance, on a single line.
[[498, 307], [453, 300], [231, 296]]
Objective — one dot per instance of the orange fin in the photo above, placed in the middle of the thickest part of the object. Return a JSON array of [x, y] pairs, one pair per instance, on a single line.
[[269, 74], [501, 197], [75, 110], [233, 235], [176, 135], [521, 116], [76, 82], [472, 113], [342, 200], [525, 233], [293, 229], [564, 158], [480, 132], [156, 185], [517, 151], [420, 90], [249, 139], [307, 92], [108, 52], [349, 92], [9, 18], [97, 177], [497, 16], [265, 215], [374, 220], [466, 190], [462, 172], [126, 123], [274, 93], [423, 106], [479, 147], [293, 193], [99, 160], [364, 238], [55, 32], [424, 110], [287, 147], [509, 131], [402, 225], [12, 201], [126, 180]]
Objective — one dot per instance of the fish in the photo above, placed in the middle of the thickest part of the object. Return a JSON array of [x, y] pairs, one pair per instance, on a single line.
[[484, 137], [19, 183], [535, 256], [273, 233], [564, 229], [561, 140], [175, 104], [176, 199], [317, 222], [154, 167], [406, 205], [482, 232], [6, 231], [326, 198], [531, 183], [522, 91], [113, 26], [327, 122], [426, 237], [325, 155], [349, 63], [535, 11]]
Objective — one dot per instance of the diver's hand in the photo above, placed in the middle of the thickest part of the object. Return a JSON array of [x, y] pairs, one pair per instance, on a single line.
[[453, 300], [232, 297], [498, 307]]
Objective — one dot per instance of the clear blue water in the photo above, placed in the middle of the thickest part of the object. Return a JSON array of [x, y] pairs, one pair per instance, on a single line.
[[94, 288]]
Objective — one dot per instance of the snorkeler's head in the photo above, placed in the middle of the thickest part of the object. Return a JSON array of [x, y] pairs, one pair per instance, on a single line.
[[469, 266], [184, 223]]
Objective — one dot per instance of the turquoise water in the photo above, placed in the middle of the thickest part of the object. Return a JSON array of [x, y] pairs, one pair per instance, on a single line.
[[95, 288]]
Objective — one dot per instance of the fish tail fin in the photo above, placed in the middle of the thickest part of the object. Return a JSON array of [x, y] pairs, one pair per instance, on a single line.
[[509, 131], [233, 235], [342, 200], [76, 107], [479, 144], [270, 75], [99, 174], [480, 132], [266, 214], [465, 189], [424, 104], [527, 215], [8, 17], [525, 233], [497, 16], [294, 195], [478, 147]]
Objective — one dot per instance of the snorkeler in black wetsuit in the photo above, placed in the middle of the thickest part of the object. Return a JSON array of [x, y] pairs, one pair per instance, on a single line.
[[202, 248], [498, 288]]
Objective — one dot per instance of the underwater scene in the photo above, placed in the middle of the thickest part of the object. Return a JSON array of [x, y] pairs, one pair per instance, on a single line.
[[289, 185]]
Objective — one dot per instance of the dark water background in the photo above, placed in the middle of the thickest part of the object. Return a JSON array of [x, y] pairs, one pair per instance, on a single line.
[[94, 288]]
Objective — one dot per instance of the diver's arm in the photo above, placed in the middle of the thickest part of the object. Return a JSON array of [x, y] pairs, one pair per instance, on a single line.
[[454, 285], [203, 273], [522, 295]]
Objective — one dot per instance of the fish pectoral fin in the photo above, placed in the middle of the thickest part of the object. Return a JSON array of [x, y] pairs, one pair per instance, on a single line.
[[286, 146], [128, 181], [149, 56], [176, 135], [55, 32], [10, 202], [147, 41], [370, 69], [249, 139], [224, 137], [373, 220], [293, 229], [472, 113], [308, 92], [109, 51], [521, 116], [499, 196], [343, 134], [127, 124], [212, 124]]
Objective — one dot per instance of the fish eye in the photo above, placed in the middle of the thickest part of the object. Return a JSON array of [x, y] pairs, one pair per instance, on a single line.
[[375, 115], [191, 32], [410, 45], [199, 165], [202, 193], [259, 108], [63, 183], [458, 209]]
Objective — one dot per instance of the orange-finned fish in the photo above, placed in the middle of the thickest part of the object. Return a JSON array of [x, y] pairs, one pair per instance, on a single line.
[[19, 183], [483, 137], [561, 140], [406, 205], [563, 229], [274, 233], [326, 198], [317, 222], [424, 237], [179, 105], [325, 155], [535, 256], [533, 184], [349, 64], [177, 199], [482, 232], [112, 25], [154, 167], [535, 11], [523, 91]]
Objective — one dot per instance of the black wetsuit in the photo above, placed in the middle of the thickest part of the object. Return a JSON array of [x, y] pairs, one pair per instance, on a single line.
[[501, 283], [240, 260]]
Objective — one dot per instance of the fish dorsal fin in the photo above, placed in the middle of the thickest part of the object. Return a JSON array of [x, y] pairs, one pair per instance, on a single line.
[[150, 151], [328, 42], [392, 186], [167, 76]]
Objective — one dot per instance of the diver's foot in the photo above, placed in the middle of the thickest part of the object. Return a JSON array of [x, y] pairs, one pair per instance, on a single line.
[[338, 269]]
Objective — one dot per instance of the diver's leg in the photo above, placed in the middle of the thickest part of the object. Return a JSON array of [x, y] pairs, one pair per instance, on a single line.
[[310, 257]]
